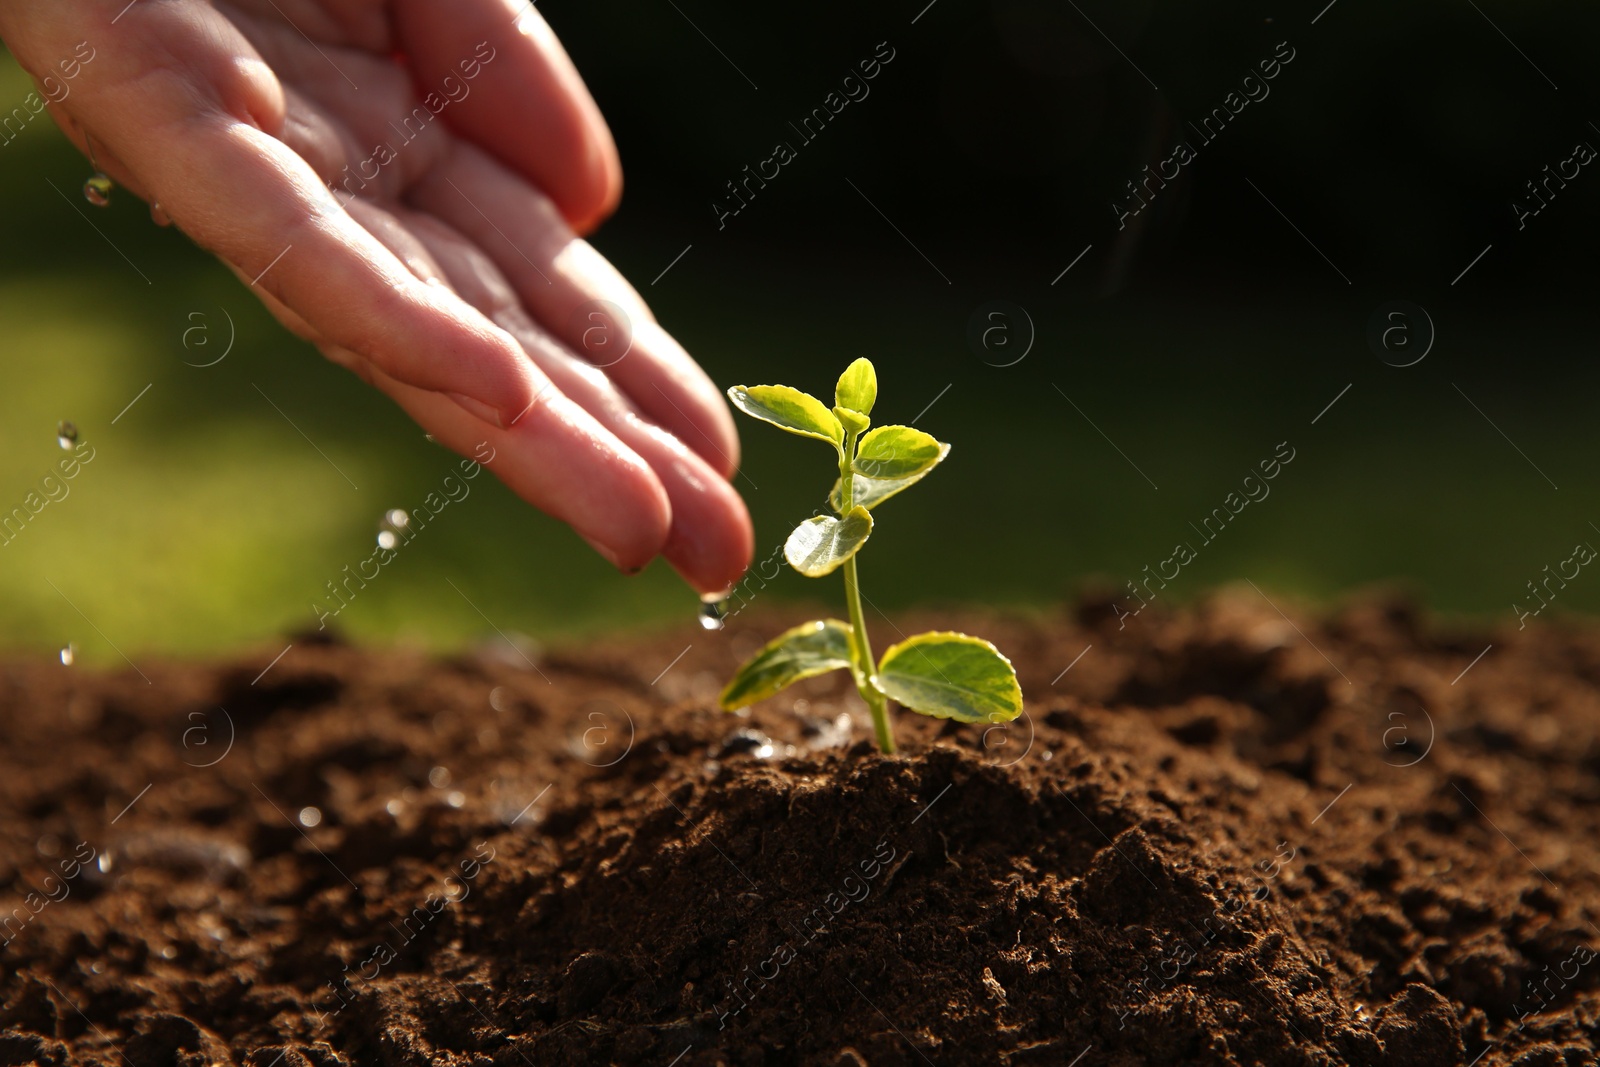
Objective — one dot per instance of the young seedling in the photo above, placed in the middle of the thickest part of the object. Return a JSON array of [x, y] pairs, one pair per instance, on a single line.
[[942, 674]]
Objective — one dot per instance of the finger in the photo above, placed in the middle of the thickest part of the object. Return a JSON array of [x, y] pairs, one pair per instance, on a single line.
[[560, 277], [557, 457], [200, 134], [316, 137], [711, 540], [524, 101], [561, 461], [360, 24]]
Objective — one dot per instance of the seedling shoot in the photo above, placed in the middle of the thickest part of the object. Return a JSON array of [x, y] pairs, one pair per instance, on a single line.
[[941, 674]]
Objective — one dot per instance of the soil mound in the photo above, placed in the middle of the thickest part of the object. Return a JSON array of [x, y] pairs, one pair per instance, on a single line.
[[1221, 836]]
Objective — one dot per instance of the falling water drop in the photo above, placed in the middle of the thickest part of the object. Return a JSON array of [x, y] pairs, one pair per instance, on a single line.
[[69, 653], [713, 610], [66, 435], [394, 522], [158, 216], [97, 190]]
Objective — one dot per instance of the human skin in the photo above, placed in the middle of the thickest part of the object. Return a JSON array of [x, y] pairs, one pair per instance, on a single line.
[[455, 279]]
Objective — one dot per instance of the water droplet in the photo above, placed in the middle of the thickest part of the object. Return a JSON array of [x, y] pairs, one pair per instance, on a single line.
[[159, 217], [69, 653], [66, 434], [395, 521], [821, 732], [712, 612], [105, 862], [439, 777], [752, 743], [310, 816], [97, 190], [456, 798]]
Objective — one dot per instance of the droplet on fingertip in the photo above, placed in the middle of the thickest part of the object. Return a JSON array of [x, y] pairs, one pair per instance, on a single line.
[[66, 435], [158, 216], [97, 190], [713, 610]]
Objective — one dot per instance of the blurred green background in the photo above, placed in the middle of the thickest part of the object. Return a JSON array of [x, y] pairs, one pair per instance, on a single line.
[[1171, 358]]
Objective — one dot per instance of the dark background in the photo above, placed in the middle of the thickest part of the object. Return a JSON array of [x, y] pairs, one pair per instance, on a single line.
[[1164, 364]]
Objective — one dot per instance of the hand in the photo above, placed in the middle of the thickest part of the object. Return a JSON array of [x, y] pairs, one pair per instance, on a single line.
[[405, 179]]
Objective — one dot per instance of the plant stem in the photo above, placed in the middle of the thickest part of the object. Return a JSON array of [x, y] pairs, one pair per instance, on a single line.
[[876, 701]]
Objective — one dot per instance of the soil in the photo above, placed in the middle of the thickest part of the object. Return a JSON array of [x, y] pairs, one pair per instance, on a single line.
[[1222, 836]]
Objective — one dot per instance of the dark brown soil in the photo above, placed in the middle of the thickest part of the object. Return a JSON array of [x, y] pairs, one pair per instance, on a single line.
[[1211, 842]]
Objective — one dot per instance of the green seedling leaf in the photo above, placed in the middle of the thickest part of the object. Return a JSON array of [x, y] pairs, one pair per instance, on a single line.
[[820, 545], [807, 650], [869, 492], [893, 452], [858, 387], [951, 676], [853, 421], [789, 409]]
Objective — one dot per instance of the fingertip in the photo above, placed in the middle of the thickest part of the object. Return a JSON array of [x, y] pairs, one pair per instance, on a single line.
[[589, 187], [597, 189], [527, 104]]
